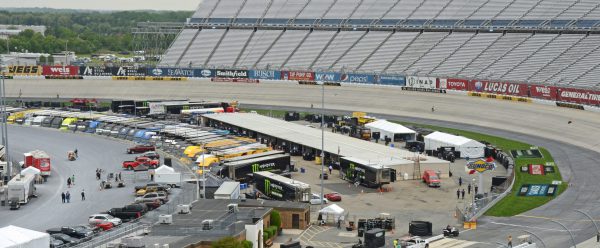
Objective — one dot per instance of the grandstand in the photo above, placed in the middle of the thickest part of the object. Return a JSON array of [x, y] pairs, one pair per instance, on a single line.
[[537, 41]]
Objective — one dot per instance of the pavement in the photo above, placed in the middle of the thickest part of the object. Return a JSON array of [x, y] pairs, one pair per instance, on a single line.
[[575, 146]]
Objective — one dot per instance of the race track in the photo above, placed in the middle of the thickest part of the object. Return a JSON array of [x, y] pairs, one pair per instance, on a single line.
[[574, 146]]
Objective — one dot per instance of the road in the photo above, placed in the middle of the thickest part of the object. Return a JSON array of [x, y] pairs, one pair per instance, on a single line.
[[575, 146], [47, 210]]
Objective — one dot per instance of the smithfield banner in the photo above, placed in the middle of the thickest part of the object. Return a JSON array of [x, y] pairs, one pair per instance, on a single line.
[[57, 70], [421, 82], [390, 80], [327, 76], [502, 88], [357, 78], [98, 71], [298, 75], [265, 74], [171, 72], [222, 73]]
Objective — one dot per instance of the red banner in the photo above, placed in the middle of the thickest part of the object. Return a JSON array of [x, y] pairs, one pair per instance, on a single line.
[[457, 84], [543, 92], [581, 96], [58, 70], [298, 75], [502, 88]]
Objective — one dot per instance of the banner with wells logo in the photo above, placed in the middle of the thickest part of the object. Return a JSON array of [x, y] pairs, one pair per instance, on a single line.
[[58, 70]]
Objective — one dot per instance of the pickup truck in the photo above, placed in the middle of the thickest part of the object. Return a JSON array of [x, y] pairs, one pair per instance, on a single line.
[[159, 186], [145, 161], [151, 155], [415, 242], [149, 189], [140, 149], [129, 212], [78, 232], [153, 197]]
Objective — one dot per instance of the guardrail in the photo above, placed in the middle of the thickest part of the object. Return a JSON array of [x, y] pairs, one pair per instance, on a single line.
[[497, 198], [136, 228]]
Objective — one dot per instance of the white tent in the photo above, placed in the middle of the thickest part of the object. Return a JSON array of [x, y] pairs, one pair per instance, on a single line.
[[163, 169], [30, 171], [17, 237], [468, 148], [392, 130], [332, 211]]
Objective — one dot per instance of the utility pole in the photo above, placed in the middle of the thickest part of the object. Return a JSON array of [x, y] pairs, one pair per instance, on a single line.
[[322, 138]]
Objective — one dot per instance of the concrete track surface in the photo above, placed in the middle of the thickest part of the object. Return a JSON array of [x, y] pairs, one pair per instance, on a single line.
[[575, 146]]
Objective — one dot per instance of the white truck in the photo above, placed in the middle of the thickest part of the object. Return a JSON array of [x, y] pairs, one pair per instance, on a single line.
[[20, 189], [167, 175], [228, 190], [415, 242]]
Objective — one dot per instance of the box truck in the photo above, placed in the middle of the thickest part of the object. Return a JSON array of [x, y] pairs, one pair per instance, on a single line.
[[281, 188], [242, 170], [20, 189], [228, 190], [366, 173]]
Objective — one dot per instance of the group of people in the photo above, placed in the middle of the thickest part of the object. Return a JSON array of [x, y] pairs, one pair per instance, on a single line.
[[66, 196], [460, 192], [70, 181]]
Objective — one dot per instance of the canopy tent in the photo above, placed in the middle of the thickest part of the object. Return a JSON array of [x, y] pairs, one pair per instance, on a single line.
[[468, 148], [392, 130], [163, 169], [333, 211], [17, 237], [30, 171]]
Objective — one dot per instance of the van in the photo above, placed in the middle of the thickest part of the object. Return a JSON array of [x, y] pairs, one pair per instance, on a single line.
[[431, 178]]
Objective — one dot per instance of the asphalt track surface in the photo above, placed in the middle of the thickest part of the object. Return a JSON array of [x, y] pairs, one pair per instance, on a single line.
[[575, 147], [47, 211]]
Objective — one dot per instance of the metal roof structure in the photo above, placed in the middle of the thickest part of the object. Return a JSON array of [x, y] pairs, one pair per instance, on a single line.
[[335, 143]]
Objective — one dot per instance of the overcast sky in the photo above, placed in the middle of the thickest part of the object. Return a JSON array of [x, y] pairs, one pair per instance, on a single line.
[[104, 4]]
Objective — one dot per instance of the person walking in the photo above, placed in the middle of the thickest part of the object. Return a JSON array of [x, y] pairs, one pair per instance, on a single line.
[[76, 155], [330, 169], [462, 192], [83, 195], [68, 196], [459, 181], [458, 194], [476, 189], [395, 243], [509, 241], [73, 179], [97, 175], [469, 188], [64, 198], [69, 182], [120, 178]]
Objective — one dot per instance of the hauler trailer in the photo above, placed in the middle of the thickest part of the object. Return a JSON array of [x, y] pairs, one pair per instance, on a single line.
[[281, 188], [20, 189], [242, 170], [370, 174], [252, 156]]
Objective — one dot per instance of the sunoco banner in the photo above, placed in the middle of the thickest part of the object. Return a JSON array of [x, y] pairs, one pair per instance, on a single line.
[[265, 74], [232, 73]]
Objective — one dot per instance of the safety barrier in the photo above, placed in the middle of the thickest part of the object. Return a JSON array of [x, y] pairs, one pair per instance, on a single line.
[[234, 80], [6, 77], [147, 78], [424, 90], [570, 105], [64, 77], [499, 97], [302, 82], [332, 84]]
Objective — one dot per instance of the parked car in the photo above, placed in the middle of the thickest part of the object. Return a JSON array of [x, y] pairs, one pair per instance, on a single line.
[[140, 149], [105, 226], [334, 197], [66, 239], [152, 197], [151, 155], [149, 189], [102, 218], [79, 232], [145, 161], [160, 186], [415, 242], [56, 243], [316, 199], [431, 179]]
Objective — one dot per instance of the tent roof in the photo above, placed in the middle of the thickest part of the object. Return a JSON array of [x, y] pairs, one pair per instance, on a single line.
[[164, 169], [389, 126], [453, 139], [14, 235], [30, 170], [332, 209]]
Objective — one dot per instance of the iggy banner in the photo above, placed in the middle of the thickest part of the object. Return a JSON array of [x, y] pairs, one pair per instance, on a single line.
[[58, 70], [298, 75], [421, 82], [502, 88], [24, 70], [456, 84], [581, 96], [543, 92]]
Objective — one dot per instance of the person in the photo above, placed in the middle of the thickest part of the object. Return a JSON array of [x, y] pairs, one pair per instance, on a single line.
[[509, 241], [97, 175], [432, 109], [76, 155], [120, 178], [395, 243], [73, 179], [463, 193], [69, 182], [83, 195], [469, 188], [460, 181], [330, 169], [102, 185], [311, 105], [598, 237], [476, 189], [458, 194], [64, 198], [68, 196]]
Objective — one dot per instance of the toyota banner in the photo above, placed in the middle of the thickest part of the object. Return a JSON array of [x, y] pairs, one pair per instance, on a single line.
[[455, 84]]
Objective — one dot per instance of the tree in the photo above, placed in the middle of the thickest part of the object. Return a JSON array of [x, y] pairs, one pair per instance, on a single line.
[[42, 60], [50, 60], [275, 219], [227, 242]]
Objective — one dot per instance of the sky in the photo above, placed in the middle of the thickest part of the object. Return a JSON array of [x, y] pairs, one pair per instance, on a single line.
[[104, 4]]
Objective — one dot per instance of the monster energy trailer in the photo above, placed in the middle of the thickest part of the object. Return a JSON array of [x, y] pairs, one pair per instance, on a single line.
[[367, 173], [281, 188], [242, 170]]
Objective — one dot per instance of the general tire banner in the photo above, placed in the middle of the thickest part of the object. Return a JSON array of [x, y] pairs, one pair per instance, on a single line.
[[327, 76], [171, 72], [129, 71], [231, 73], [501, 88], [58, 70], [95, 71], [24, 70], [357, 78], [298, 75], [457, 84], [581, 96], [421, 82], [265, 74], [543, 92], [390, 80]]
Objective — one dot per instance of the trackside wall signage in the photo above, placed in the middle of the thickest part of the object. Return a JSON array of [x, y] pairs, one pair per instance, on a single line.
[[60, 70], [391, 80], [128, 71], [207, 73], [578, 96], [171, 72], [457, 84], [298, 75], [232, 73], [327, 76], [24, 70], [156, 108], [502, 88], [357, 78], [95, 71], [543, 92], [421, 82], [265, 74]]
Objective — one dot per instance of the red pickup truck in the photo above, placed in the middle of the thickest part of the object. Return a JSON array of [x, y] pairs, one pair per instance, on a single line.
[[145, 161], [140, 149]]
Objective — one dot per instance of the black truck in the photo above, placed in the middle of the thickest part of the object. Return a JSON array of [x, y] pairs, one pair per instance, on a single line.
[[78, 232], [363, 172], [281, 188], [242, 170], [129, 212]]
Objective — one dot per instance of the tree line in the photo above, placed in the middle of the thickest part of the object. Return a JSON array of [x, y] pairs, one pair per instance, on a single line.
[[84, 32]]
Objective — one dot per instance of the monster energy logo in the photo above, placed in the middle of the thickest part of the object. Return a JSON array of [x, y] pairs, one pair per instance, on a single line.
[[255, 168], [350, 170], [262, 167], [267, 186]]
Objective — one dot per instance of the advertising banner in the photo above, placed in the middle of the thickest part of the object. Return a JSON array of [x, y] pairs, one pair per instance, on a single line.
[[170, 72], [156, 108], [582, 96], [357, 78], [501, 88], [265, 74], [207, 73], [231, 73], [95, 71], [543, 92], [327, 76], [58, 70], [457, 84], [391, 80], [24, 70], [298, 75], [129, 71], [421, 82], [442, 83]]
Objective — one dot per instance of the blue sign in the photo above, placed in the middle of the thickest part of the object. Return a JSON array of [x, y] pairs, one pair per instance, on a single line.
[[538, 190], [391, 80], [358, 78], [327, 76], [171, 72], [265, 74], [206, 73]]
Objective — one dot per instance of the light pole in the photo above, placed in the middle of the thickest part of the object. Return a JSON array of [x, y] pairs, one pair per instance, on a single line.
[[589, 217], [322, 138], [570, 233]]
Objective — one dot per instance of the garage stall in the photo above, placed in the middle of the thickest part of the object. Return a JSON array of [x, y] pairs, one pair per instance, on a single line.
[[467, 148], [394, 131]]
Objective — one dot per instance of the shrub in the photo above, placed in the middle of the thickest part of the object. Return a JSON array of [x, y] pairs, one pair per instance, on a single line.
[[247, 244], [265, 236], [275, 218], [227, 242]]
